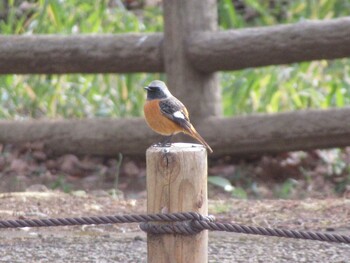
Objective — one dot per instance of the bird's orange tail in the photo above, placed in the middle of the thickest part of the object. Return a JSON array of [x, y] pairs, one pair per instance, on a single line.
[[193, 133]]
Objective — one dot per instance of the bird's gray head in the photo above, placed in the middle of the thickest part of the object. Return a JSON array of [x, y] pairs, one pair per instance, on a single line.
[[157, 90]]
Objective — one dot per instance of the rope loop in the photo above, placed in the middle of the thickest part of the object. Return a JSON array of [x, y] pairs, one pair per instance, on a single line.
[[186, 227]]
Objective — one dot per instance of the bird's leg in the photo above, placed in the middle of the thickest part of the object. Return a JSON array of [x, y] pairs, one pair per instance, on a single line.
[[166, 142]]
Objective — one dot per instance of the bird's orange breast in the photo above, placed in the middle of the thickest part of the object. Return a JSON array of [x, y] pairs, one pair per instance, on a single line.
[[157, 121]]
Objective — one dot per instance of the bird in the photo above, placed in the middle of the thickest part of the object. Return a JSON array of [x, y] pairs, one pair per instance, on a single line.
[[167, 115]]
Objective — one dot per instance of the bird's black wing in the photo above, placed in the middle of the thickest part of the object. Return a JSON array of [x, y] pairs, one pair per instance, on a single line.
[[173, 109]]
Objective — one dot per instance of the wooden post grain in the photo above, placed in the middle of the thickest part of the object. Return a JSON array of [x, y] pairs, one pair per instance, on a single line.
[[177, 182]]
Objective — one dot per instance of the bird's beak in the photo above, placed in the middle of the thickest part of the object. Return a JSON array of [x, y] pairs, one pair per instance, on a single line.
[[147, 88]]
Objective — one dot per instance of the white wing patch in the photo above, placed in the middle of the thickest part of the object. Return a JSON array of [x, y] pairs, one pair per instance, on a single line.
[[179, 115]]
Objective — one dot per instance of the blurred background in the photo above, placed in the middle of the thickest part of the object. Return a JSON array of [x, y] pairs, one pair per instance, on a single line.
[[318, 84]]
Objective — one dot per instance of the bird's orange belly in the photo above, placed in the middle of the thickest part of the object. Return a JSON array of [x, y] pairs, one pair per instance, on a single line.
[[157, 121]]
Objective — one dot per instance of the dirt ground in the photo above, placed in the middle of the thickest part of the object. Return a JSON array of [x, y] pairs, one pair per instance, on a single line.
[[293, 175], [126, 243], [28, 177]]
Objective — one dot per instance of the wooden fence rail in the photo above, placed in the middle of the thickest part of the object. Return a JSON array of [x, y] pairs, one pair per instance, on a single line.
[[208, 51], [271, 45], [239, 136], [56, 54]]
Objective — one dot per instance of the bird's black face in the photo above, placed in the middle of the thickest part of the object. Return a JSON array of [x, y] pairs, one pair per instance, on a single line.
[[155, 92], [152, 89]]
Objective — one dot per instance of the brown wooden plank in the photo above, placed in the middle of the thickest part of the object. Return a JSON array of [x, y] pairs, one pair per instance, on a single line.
[[238, 136], [270, 45], [58, 54]]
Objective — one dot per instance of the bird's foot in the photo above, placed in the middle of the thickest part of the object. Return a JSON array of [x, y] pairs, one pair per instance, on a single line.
[[162, 144], [165, 143]]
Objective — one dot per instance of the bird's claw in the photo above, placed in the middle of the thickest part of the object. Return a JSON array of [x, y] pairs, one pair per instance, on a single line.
[[161, 144]]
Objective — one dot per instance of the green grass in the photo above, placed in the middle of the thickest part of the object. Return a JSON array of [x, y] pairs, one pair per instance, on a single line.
[[319, 84], [75, 95]]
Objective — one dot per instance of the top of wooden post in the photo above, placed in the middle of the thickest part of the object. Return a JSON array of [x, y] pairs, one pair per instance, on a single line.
[[178, 147]]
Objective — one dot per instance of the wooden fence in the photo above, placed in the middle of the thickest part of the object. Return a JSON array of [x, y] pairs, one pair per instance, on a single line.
[[189, 51]]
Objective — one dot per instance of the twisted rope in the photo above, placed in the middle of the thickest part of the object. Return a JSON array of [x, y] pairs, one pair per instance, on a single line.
[[182, 228], [98, 220], [231, 227], [188, 223], [195, 226]]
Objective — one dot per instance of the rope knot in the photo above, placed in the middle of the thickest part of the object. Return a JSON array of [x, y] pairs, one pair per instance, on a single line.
[[183, 223]]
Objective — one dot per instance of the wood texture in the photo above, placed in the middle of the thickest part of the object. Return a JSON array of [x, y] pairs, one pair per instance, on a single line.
[[81, 54], [177, 182], [272, 45], [199, 92], [238, 136], [89, 136], [275, 133], [192, 46]]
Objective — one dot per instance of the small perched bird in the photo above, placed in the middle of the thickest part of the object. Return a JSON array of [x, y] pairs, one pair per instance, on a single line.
[[166, 115]]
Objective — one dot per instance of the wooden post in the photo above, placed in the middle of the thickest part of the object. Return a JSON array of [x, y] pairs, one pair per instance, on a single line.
[[199, 91], [177, 182]]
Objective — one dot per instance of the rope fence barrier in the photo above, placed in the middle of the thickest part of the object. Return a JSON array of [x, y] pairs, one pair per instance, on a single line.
[[187, 223]]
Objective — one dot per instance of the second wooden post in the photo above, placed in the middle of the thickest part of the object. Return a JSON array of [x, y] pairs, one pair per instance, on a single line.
[[177, 182]]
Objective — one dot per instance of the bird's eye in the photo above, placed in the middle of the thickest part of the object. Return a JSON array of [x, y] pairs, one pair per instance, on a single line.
[[152, 88]]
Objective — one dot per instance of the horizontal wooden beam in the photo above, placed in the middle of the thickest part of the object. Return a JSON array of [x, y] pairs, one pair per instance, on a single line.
[[275, 133], [238, 136], [271, 45], [86, 136], [57, 54], [207, 51]]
